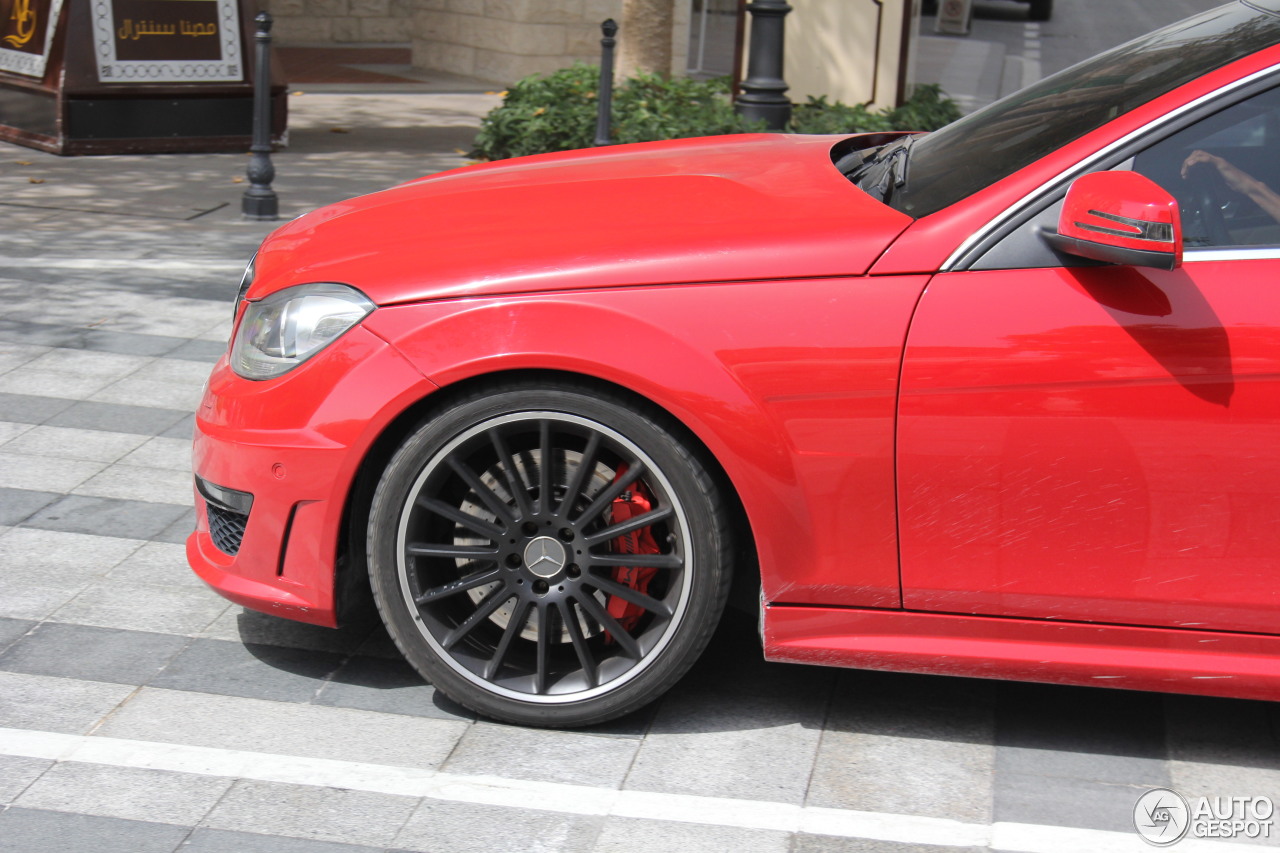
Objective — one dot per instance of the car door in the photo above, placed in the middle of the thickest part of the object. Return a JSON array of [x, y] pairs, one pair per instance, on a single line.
[[1102, 443]]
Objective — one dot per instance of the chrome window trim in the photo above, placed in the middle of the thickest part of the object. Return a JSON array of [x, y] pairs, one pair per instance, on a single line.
[[1053, 184], [1244, 253]]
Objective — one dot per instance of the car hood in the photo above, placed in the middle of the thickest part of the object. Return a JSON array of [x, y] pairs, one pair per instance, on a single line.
[[752, 207]]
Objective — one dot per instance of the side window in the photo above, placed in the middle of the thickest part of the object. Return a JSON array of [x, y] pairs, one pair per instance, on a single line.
[[1224, 171]]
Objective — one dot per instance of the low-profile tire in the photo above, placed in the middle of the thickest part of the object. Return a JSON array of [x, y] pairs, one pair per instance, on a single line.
[[1041, 10], [509, 584]]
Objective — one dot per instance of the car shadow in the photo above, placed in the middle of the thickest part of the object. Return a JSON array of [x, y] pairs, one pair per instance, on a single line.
[[733, 689], [1167, 314]]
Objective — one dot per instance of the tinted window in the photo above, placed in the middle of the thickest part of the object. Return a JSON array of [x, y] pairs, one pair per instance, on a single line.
[[991, 144], [1222, 170]]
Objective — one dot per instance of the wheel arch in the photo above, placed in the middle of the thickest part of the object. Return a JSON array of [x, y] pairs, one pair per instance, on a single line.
[[351, 575]]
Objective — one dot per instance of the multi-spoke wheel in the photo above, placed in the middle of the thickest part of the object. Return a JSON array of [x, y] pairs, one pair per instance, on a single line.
[[548, 556]]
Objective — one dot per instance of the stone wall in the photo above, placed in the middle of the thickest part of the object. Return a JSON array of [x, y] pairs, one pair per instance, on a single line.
[[504, 40], [342, 21], [497, 40]]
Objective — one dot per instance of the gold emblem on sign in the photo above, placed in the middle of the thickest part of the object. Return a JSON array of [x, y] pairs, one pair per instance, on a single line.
[[25, 27]]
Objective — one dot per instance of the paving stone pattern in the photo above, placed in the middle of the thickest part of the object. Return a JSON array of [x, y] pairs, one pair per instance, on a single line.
[[106, 635]]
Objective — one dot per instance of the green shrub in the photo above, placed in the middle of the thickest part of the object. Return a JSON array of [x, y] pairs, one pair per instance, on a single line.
[[558, 113], [819, 116], [928, 108], [649, 107], [540, 114]]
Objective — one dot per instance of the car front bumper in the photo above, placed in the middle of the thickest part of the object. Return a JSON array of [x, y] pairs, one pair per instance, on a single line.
[[275, 461]]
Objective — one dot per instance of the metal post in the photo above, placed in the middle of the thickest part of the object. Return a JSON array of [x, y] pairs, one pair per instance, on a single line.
[[604, 100], [762, 92], [260, 200]]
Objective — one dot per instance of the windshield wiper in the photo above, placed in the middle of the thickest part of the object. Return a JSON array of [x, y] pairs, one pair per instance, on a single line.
[[895, 170], [870, 158]]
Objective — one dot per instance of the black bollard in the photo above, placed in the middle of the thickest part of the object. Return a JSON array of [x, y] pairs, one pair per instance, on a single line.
[[260, 202], [604, 101], [762, 92]]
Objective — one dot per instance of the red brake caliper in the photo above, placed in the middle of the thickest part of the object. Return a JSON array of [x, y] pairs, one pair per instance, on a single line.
[[636, 501]]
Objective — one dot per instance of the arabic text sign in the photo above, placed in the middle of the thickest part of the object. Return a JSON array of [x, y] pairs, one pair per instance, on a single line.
[[158, 41], [167, 29]]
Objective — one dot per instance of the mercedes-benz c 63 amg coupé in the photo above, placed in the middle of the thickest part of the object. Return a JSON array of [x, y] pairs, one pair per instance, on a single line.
[[1000, 400]]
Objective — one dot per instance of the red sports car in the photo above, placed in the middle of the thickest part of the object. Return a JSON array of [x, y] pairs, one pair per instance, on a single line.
[[1001, 400]]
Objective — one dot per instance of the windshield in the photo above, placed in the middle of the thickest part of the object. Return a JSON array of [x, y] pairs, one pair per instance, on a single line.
[[982, 148]]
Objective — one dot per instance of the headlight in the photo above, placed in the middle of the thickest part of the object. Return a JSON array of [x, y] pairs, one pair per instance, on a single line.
[[288, 327]]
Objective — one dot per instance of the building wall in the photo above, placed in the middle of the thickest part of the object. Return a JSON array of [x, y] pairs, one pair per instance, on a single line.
[[847, 50], [497, 40], [504, 40], [341, 21]]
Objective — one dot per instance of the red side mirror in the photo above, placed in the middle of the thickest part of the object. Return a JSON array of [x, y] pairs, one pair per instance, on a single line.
[[1120, 218]]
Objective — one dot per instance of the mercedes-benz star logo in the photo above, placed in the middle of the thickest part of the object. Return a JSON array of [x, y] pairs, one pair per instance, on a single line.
[[544, 556]]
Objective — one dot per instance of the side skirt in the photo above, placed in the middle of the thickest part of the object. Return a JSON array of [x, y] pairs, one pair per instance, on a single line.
[[1245, 666]]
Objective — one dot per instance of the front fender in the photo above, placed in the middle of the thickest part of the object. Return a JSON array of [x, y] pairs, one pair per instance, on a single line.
[[790, 385]]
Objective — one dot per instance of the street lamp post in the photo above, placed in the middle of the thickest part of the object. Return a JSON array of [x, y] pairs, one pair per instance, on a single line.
[[259, 201], [604, 102], [762, 95]]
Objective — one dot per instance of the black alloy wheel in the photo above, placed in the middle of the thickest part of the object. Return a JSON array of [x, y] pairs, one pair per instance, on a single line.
[[548, 556]]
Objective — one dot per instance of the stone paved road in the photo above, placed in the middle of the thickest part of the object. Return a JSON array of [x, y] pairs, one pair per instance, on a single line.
[[139, 712]]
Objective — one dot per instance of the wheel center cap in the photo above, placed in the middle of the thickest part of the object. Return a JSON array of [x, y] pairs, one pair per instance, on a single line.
[[545, 557]]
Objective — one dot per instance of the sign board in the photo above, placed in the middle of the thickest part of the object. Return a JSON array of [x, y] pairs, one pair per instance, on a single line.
[[26, 34], [954, 17], [131, 76], [166, 41]]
